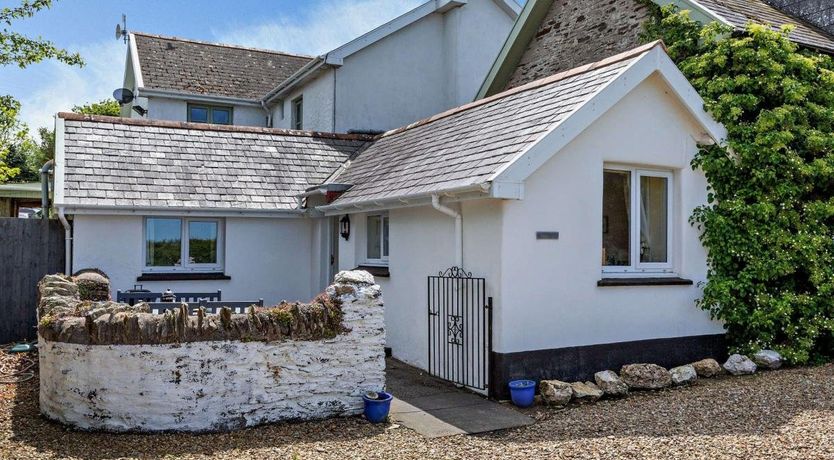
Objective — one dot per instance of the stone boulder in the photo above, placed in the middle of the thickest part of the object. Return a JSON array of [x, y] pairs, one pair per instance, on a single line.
[[93, 284], [707, 368], [683, 375], [768, 359], [585, 392], [555, 392], [645, 376], [610, 383], [739, 365], [359, 277]]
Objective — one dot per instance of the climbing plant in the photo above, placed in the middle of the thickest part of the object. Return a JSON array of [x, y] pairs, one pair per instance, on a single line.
[[768, 224]]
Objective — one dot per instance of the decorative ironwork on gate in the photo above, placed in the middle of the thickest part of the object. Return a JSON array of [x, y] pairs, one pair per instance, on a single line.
[[460, 328]]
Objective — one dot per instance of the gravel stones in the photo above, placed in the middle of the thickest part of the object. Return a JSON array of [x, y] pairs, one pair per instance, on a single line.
[[610, 383], [768, 359], [585, 392], [707, 368], [683, 375], [645, 376], [739, 365], [555, 392]]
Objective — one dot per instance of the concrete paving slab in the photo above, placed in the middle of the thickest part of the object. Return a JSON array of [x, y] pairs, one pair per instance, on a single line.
[[435, 408]]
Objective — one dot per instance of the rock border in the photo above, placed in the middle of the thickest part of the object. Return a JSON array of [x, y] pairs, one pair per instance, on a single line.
[[647, 376]]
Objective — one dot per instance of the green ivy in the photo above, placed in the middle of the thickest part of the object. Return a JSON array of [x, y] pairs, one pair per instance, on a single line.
[[769, 222]]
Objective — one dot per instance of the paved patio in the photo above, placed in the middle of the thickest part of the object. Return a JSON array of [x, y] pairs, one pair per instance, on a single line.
[[435, 408]]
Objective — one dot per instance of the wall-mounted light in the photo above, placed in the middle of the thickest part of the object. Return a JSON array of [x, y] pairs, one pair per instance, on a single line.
[[344, 227]]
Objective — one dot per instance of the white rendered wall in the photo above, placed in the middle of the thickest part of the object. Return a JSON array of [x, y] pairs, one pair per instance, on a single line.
[[425, 68], [208, 386], [267, 258], [421, 244], [550, 298], [177, 110], [318, 105]]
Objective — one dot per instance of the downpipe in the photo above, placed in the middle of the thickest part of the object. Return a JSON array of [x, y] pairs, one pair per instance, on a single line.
[[45, 169], [435, 203], [67, 241]]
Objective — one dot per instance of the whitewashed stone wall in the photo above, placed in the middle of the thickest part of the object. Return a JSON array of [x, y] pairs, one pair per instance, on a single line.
[[208, 386]]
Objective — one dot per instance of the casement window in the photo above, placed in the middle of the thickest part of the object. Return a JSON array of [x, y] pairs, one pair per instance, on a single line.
[[216, 115], [636, 221], [297, 111], [174, 244], [377, 239]]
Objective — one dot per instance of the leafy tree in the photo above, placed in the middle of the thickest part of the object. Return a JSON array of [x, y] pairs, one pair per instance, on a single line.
[[22, 51], [109, 107], [769, 222]]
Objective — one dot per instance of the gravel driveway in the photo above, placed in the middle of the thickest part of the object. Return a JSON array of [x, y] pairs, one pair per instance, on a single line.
[[782, 414]]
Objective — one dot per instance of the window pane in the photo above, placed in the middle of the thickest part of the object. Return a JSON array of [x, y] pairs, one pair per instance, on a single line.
[[202, 242], [616, 207], [298, 113], [199, 114], [374, 242], [221, 116], [164, 242], [385, 236], [654, 206]]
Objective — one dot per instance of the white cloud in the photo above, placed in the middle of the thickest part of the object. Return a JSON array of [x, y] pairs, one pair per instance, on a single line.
[[63, 86], [327, 26]]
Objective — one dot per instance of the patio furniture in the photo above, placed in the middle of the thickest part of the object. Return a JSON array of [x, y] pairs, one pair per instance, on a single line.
[[237, 307], [134, 296]]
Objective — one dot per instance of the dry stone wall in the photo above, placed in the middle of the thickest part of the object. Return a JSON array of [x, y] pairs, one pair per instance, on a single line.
[[574, 33], [210, 385]]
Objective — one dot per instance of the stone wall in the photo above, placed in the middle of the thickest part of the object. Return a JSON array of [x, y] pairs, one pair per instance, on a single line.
[[220, 384], [574, 33]]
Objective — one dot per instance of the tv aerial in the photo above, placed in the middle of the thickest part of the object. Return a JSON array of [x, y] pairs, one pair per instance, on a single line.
[[121, 29]]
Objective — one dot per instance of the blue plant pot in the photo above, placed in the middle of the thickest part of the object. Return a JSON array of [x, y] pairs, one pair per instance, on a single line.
[[523, 392], [376, 410]]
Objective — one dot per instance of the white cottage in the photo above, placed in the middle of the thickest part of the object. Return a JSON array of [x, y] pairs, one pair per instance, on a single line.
[[565, 201]]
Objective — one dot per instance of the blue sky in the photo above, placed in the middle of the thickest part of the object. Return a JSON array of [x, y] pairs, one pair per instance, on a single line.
[[87, 26]]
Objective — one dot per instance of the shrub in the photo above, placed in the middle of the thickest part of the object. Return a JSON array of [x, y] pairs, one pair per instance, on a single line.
[[769, 222]]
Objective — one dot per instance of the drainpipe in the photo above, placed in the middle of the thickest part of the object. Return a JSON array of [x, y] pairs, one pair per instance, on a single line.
[[268, 114], [45, 188], [67, 241], [435, 203]]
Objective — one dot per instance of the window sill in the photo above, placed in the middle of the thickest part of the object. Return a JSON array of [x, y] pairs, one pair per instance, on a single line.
[[184, 276], [380, 271], [670, 281]]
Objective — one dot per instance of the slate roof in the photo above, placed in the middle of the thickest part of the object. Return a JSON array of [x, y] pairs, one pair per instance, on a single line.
[[190, 66], [739, 12], [120, 162], [465, 146]]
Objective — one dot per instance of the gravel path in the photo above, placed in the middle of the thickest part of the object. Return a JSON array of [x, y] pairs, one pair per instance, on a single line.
[[783, 414]]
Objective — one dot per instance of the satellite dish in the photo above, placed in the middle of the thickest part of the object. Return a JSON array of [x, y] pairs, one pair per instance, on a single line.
[[118, 31], [123, 95]]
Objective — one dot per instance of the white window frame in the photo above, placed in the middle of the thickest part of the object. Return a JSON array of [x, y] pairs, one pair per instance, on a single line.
[[383, 261], [185, 266], [637, 267]]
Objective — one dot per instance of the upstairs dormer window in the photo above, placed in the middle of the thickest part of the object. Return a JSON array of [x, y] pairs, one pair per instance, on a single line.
[[298, 113], [216, 115]]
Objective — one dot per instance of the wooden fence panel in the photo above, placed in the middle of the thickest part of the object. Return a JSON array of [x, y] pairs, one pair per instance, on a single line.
[[29, 249]]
